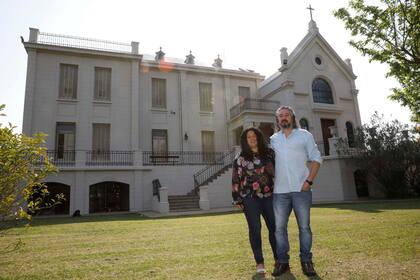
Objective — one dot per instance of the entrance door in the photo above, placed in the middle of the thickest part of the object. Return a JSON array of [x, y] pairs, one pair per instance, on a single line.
[[238, 133], [326, 133], [108, 197], [207, 140], [267, 130]]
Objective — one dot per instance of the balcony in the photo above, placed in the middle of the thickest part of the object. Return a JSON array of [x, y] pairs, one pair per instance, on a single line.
[[181, 158], [79, 158], [254, 105], [107, 159], [62, 158]]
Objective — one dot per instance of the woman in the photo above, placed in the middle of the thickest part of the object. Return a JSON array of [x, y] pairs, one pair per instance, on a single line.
[[252, 188]]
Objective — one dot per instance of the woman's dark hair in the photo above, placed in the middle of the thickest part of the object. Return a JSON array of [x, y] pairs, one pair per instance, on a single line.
[[262, 146]]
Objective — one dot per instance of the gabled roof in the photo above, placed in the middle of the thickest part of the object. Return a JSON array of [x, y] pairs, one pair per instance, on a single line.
[[303, 47]]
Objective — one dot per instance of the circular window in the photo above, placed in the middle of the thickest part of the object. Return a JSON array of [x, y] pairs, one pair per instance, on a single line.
[[318, 60]]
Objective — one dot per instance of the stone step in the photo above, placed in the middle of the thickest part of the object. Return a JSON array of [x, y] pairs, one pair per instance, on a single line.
[[184, 203], [183, 207], [183, 196], [178, 201], [185, 210]]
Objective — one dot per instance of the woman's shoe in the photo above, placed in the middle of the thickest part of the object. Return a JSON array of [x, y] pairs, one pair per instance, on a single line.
[[260, 269]]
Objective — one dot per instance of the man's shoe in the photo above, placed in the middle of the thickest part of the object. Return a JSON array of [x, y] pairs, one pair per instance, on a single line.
[[308, 269], [280, 268]]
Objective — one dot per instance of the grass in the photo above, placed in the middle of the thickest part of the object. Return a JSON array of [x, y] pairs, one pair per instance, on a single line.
[[379, 240]]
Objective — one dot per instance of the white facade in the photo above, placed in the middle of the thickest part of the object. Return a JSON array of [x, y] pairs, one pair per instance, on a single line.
[[131, 116]]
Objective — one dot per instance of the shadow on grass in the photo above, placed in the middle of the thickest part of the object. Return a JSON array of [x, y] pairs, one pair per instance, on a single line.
[[289, 276], [374, 206], [110, 217], [286, 276], [42, 221]]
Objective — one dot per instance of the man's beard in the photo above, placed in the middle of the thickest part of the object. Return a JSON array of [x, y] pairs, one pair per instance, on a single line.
[[285, 124]]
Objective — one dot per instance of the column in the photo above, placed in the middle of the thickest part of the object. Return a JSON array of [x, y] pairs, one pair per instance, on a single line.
[[226, 96], [163, 204], [204, 198], [184, 119], [29, 92], [135, 105]]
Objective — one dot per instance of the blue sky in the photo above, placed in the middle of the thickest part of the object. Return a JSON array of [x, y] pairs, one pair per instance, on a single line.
[[247, 34]]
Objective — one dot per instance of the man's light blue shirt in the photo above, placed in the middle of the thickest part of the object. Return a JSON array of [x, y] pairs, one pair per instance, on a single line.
[[292, 154]]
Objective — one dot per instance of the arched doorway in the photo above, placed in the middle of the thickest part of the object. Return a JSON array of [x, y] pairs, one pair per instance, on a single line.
[[54, 189], [267, 130], [361, 182], [108, 197]]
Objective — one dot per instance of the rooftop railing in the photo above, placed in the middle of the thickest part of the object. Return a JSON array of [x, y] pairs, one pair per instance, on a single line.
[[255, 105], [82, 43]]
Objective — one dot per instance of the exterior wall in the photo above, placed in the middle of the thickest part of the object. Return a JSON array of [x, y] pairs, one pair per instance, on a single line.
[[271, 85], [178, 180], [234, 87], [168, 118], [335, 181], [140, 193], [220, 191], [84, 111], [182, 115]]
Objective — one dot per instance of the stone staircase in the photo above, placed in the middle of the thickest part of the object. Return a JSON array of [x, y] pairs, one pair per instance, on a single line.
[[191, 201], [218, 174], [179, 203], [213, 174]]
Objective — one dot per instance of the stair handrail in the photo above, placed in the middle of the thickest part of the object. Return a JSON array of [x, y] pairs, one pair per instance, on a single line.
[[156, 186], [206, 174]]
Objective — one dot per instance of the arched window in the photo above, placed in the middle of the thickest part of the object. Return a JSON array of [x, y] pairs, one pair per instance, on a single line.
[[321, 91], [350, 134], [109, 197], [361, 182], [304, 124], [54, 189]]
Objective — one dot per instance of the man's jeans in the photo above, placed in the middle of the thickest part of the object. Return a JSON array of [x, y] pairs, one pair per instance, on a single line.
[[283, 204], [253, 209]]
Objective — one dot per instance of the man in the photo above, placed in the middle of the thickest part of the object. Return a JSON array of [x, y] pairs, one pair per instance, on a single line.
[[293, 147]]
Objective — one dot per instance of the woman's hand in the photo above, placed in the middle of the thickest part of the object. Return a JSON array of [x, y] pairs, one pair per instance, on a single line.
[[240, 206]]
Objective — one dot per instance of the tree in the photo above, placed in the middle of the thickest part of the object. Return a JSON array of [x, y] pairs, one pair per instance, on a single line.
[[24, 165], [390, 154], [389, 33]]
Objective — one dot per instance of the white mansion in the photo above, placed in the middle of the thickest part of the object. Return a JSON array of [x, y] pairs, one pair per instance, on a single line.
[[134, 132]]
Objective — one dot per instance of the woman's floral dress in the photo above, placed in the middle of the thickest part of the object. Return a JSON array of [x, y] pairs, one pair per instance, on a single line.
[[252, 178]]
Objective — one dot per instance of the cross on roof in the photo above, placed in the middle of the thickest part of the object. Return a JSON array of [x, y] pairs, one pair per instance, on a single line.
[[310, 10]]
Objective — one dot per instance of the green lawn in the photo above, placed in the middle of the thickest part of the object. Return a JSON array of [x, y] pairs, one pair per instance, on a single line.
[[376, 240]]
